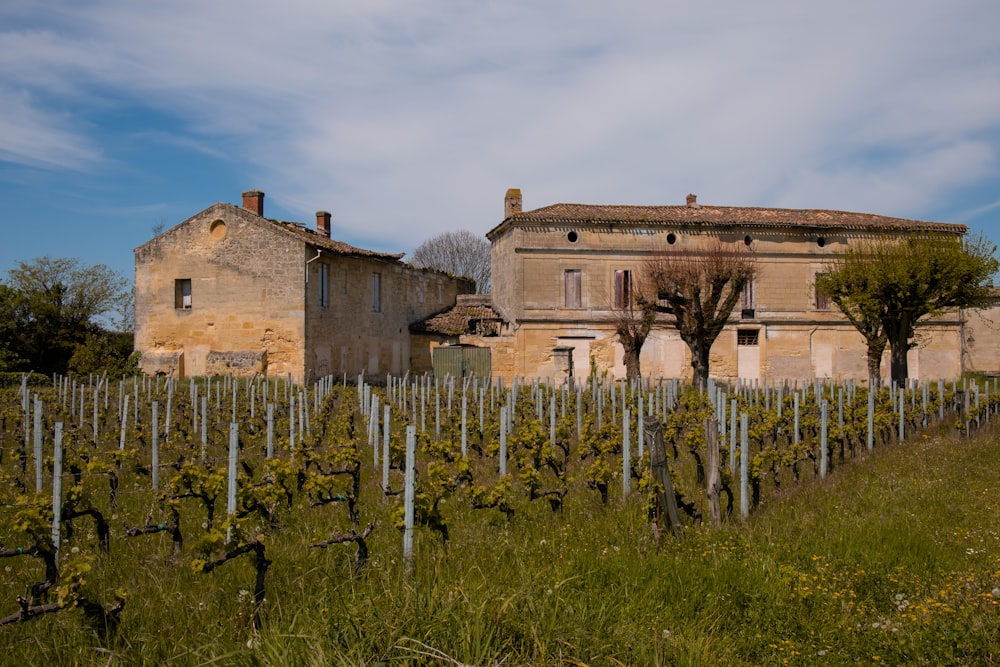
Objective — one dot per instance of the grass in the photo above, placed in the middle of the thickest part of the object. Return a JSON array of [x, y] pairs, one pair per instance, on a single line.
[[890, 560]]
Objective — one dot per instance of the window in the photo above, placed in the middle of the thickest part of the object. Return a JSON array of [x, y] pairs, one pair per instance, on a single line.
[[623, 288], [747, 301], [376, 292], [571, 283], [822, 301], [747, 336], [324, 285], [182, 294]]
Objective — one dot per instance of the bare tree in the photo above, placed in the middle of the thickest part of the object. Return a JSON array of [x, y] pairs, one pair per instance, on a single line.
[[460, 253], [632, 316], [699, 288]]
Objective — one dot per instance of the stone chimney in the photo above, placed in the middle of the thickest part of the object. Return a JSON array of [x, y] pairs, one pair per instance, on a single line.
[[323, 223], [692, 201], [512, 203], [253, 201]]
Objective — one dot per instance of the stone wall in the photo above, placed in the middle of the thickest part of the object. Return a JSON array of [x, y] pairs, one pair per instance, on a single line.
[[246, 294], [357, 332], [236, 362], [789, 335]]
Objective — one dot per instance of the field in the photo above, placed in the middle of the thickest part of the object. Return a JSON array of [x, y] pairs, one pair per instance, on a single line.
[[891, 558]]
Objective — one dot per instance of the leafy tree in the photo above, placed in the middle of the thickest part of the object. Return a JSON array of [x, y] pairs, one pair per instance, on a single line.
[[53, 305], [902, 283], [105, 351], [10, 358], [460, 253], [699, 288], [855, 294]]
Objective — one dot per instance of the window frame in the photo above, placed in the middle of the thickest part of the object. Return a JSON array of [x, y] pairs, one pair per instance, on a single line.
[[182, 294], [747, 337]]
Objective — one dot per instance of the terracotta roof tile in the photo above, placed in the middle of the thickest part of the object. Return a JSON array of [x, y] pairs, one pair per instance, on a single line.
[[467, 316], [718, 216], [314, 238]]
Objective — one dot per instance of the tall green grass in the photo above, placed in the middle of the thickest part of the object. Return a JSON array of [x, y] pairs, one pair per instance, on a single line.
[[891, 560]]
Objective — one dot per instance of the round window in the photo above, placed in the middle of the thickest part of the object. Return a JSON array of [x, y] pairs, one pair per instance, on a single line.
[[572, 236], [218, 230]]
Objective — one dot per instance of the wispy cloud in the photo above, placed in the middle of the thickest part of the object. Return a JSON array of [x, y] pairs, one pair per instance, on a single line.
[[408, 119]]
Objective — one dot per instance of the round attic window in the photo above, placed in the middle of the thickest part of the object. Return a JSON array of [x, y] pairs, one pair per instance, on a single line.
[[821, 241], [671, 238], [747, 240], [572, 236], [218, 230]]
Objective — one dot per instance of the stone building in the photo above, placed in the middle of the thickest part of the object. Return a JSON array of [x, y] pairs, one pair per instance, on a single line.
[[230, 291], [559, 271]]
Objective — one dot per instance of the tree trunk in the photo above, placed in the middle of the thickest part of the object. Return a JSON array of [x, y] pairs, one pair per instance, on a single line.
[[699, 362], [898, 332], [632, 369], [875, 351], [900, 371]]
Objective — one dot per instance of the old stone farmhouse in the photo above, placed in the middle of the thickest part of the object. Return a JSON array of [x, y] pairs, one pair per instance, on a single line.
[[559, 271], [229, 291]]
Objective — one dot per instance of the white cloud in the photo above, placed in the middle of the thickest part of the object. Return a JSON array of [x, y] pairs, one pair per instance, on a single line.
[[407, 120]]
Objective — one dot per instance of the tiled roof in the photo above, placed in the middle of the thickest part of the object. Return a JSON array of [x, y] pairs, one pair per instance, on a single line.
[[717, 216], [314, 238], [464, 317]]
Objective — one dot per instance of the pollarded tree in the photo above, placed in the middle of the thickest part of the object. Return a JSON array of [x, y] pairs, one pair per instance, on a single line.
[[700, 288], [460, 253], [855, 294], [633, 317], [910, 280]]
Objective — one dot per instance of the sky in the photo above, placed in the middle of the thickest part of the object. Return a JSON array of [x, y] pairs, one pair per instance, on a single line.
[[409, 119]]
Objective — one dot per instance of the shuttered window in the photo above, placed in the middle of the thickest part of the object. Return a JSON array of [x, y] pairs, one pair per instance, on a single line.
[[822, 300], [571, 283], [623, 288]]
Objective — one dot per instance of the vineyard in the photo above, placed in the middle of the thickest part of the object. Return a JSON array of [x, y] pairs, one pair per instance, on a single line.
[[148, 521]]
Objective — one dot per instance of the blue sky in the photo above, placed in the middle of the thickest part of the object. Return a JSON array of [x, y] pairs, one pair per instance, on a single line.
[[408, 119]]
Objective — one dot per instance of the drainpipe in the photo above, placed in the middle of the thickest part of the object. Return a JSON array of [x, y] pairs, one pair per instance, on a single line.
[[319, 251]]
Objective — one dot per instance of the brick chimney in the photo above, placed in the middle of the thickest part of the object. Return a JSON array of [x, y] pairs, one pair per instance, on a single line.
[[253, 200], [692, 201], [512, 203], [323, 223]]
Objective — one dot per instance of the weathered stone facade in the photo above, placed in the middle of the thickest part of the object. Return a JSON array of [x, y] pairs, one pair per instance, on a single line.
[[554, 277], [231, 292]]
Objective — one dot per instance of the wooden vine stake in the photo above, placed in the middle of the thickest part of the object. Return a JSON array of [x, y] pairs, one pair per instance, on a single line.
[[666, 498]]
